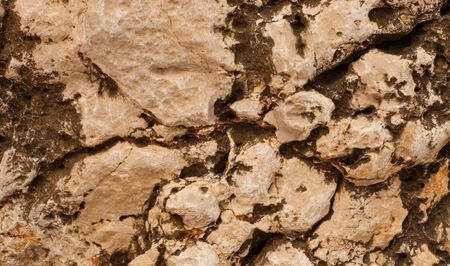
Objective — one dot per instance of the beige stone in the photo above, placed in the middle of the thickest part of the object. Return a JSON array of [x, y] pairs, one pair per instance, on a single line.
[[16, 172], [104, 176], [113, 236], [333, 30], [282, 253], [251, 185], [305, 195], [169, 64], [435, 189], [201, 254], [299, 114], [368, 134], [359, 224], [103, 117], [149, 258], [195, 204], [420, 145], [230, 235], [348, 134], [424, 257], [247, 108], [375, 69]]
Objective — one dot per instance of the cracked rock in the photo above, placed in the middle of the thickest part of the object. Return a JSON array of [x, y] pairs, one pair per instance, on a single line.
[[225, 132], [299, 115], [282, 253], [196, 204], [359, 224]]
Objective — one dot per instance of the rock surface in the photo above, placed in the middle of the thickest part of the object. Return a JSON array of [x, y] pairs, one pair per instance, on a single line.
[[226, 132]]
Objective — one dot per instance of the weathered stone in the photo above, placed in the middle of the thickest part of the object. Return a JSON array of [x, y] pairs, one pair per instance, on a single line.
[[99, 180], [424, 257], [169, 65], [199, 255], [299, 115], [195, 204], [230, 235], [304, 193], [435, 189], [332, 31], [419, 145], [359, 224], [259, 163], [282, 253], [224, 132], [150, 257], [360, 134], [247, 108], [113, 236]]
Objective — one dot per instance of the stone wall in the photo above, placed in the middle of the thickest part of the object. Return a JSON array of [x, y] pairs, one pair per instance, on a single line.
[[215, 132]]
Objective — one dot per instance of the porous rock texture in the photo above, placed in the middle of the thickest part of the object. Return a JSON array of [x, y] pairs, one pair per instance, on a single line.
[[224, 132]]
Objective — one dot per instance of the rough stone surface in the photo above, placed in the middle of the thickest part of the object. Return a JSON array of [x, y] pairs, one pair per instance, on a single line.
[[224, 132], [282, 253]]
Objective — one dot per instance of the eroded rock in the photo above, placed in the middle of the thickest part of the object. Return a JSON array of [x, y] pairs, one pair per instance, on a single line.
[[299, 115], [359, 224], [224, 132]]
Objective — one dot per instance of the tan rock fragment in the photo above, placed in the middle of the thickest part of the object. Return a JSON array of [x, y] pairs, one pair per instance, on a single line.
[[169, 64], [149, 258], [196, 204], [435, 189], [201, 254], [375, 69], [16, 172], [348, 134], [247, 108], [360, 133], [252, 183], [299, 115], [58, 22], [424, 257], [420, 145], [230, 235], [305, 194], [113, 236], [282, 253], [119, 181], [168, 133], [333, 30], [359, 224], [103, 117]]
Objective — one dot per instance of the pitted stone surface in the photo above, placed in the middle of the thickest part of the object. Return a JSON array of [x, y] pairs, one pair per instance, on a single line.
[[226, 132]]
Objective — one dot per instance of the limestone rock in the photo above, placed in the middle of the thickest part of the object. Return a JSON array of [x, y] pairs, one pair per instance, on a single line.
[[259, 164], [282, 253], [435, 189], [359, 224], [247, 108], [170, 66], [230, 235], [99, 180], [348, 26], [358, 135], [199, 255], [195, 204], [299, 115], [417, 144], [304, 193], [424, 257], [150, 257], [226, 132], [374, 70], [114, 236], [103, 118]]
